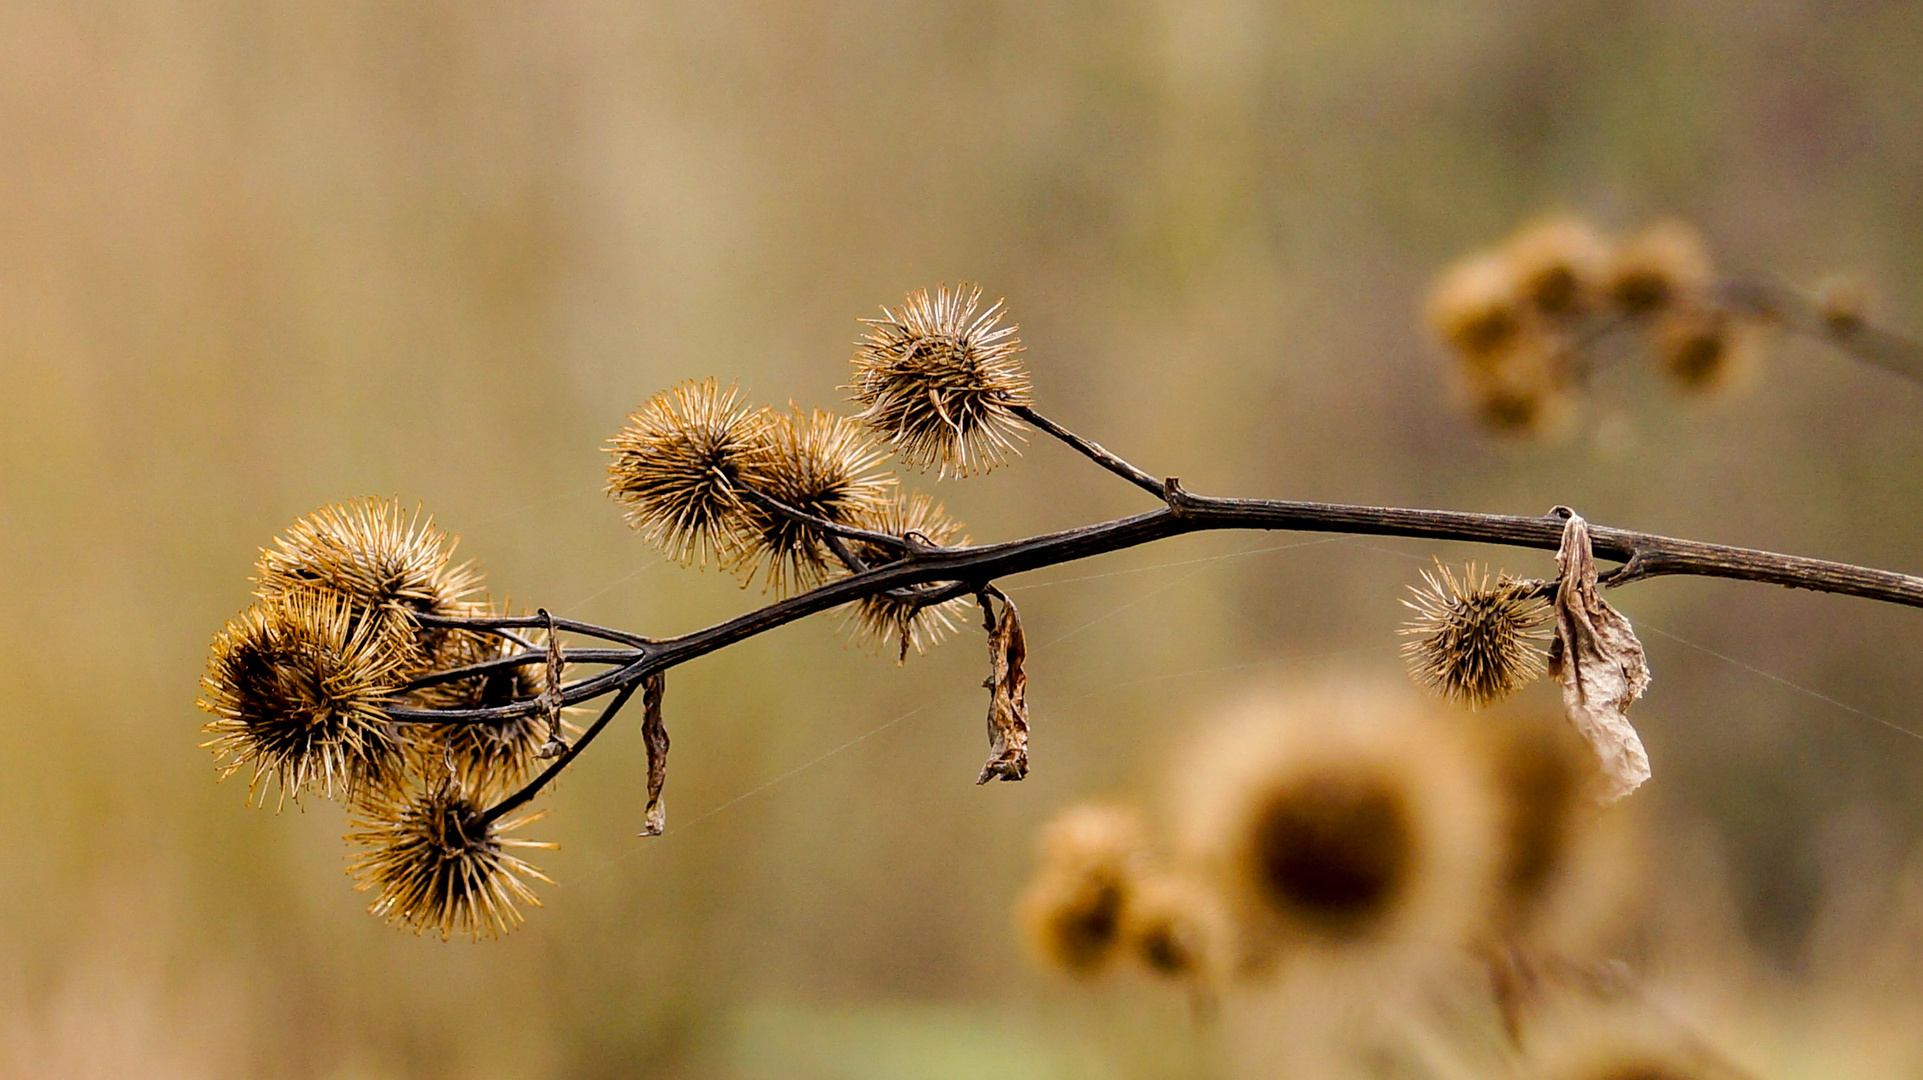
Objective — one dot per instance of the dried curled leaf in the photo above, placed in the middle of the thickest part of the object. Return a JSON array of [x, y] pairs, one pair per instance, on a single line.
[[654, 732], [1600, 664], [1008, 695]]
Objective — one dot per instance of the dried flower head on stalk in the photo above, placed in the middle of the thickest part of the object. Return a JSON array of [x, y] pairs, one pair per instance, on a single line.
[[436, 865], [677, 466], [878, 617], [1557, 264], [1089, 870], [1663, 267], [1477, 642], [823, 465], [386, 563], [296, 685], [1340, 818], [939, 380]]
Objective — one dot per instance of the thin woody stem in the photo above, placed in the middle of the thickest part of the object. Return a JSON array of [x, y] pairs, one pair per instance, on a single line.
[[1092, 450], [1798, 312], [532, 622], [561, 761], [829, 528]]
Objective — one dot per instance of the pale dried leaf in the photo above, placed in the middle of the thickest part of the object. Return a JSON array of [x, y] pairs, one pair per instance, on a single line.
[[1600, 664], [1008, 699], [654, 732]]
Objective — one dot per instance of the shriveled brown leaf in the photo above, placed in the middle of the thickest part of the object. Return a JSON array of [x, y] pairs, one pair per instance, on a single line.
[[1596, 657], [550, 699], [654, 732], [1008, 698]]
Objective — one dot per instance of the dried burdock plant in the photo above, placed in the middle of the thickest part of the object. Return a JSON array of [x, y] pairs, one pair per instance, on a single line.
[[384, 563], [1476, 641], [822, 465], [297, 685], [905, 615], [1340, 819], [676, 469], [1530, 320], [368, 670], [436, 862], [1090, 865], [943, 381]]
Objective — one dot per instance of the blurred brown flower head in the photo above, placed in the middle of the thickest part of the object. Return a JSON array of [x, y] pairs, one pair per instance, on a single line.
[[1557, 264], [676, 467], [1701, 349], [1477, 641], [938, 380], [1663, 267], [1342, 818], [296, 685], [435, 865], [1088, 873]]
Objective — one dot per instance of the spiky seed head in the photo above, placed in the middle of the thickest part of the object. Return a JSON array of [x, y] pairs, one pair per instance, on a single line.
[[1703, 349], [385, 562], [296, 686], [1475, 307], [818, 463], [1476, 640], [435, 865], [1558, 265], [1345, 820], [938, 380], [675, 467], [1657, 269], [1073, 912], [482, 754], [879, 617]]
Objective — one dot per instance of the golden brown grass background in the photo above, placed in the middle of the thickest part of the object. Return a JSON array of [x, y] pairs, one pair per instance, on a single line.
[[256, 257]]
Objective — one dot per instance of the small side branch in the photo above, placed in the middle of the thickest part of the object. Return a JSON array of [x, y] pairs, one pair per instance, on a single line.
[[1094, 451]]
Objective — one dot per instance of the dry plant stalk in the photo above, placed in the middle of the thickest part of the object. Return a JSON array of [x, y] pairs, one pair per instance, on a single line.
[[369, 671]]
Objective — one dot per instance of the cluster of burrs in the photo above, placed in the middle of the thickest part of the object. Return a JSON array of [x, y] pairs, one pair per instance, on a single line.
[[359, 609], [369, 671], [1530, 320]]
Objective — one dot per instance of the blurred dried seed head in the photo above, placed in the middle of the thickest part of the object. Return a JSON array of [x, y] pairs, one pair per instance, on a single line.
[[436, 866], [386, 563], [1343, 818], [879, 617], [1089, 870], [676, 465], [823, 465], [938, 380], [1575, 1041], [1475, 307], [1662, 267], [296, 685], [1702, 349], [1476, 641], [1171, 928], [1558, 265]]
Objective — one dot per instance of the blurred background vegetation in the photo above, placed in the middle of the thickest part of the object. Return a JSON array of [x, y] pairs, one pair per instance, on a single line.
[[264, 256]]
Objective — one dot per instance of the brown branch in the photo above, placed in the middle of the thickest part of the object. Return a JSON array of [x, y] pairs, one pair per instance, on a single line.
[[1797, 311], [1188, 513], [1092, 450]]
